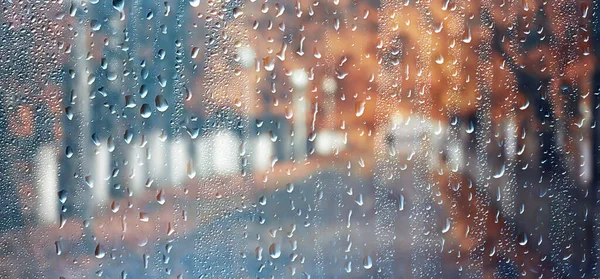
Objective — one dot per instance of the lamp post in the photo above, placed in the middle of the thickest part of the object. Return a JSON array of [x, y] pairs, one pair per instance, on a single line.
[[262, 148], [330, 140], [47, 183], [80, 133], [330, 87], [299, 79]]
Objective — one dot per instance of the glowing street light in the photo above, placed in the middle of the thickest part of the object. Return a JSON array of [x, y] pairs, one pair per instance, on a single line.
[[246, 56]]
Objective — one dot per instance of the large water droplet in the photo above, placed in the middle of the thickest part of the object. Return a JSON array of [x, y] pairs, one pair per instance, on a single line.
[[275, 250], [99, 252], [367, 262], [161, 103], [145, 111]]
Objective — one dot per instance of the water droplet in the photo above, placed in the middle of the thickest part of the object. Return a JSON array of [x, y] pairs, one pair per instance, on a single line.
[[144, 217], [188, 94], [359, 108], [160, 197], [289, 113], [500, 172], [348, 267], [99, 252], [58, 246], [367, 262], [69, 113], [129, 101], [69, 152], [401, 202], [62, 196], [523, 239], [161, 81], [262, 200], [237, 12], [446, 226], [161, 103], [269, 63], [467, 38], [114, 207], [439, 59], [145, 111], [275, 250], [128, 136]]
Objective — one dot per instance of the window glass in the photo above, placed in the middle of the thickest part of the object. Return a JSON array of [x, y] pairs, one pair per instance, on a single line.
[[299, 139]]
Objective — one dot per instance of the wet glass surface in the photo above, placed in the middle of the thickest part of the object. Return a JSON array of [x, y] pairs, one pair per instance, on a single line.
[[299, 139]]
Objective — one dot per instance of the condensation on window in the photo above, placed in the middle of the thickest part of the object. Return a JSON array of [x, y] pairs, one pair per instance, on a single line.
[[299, 139]]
